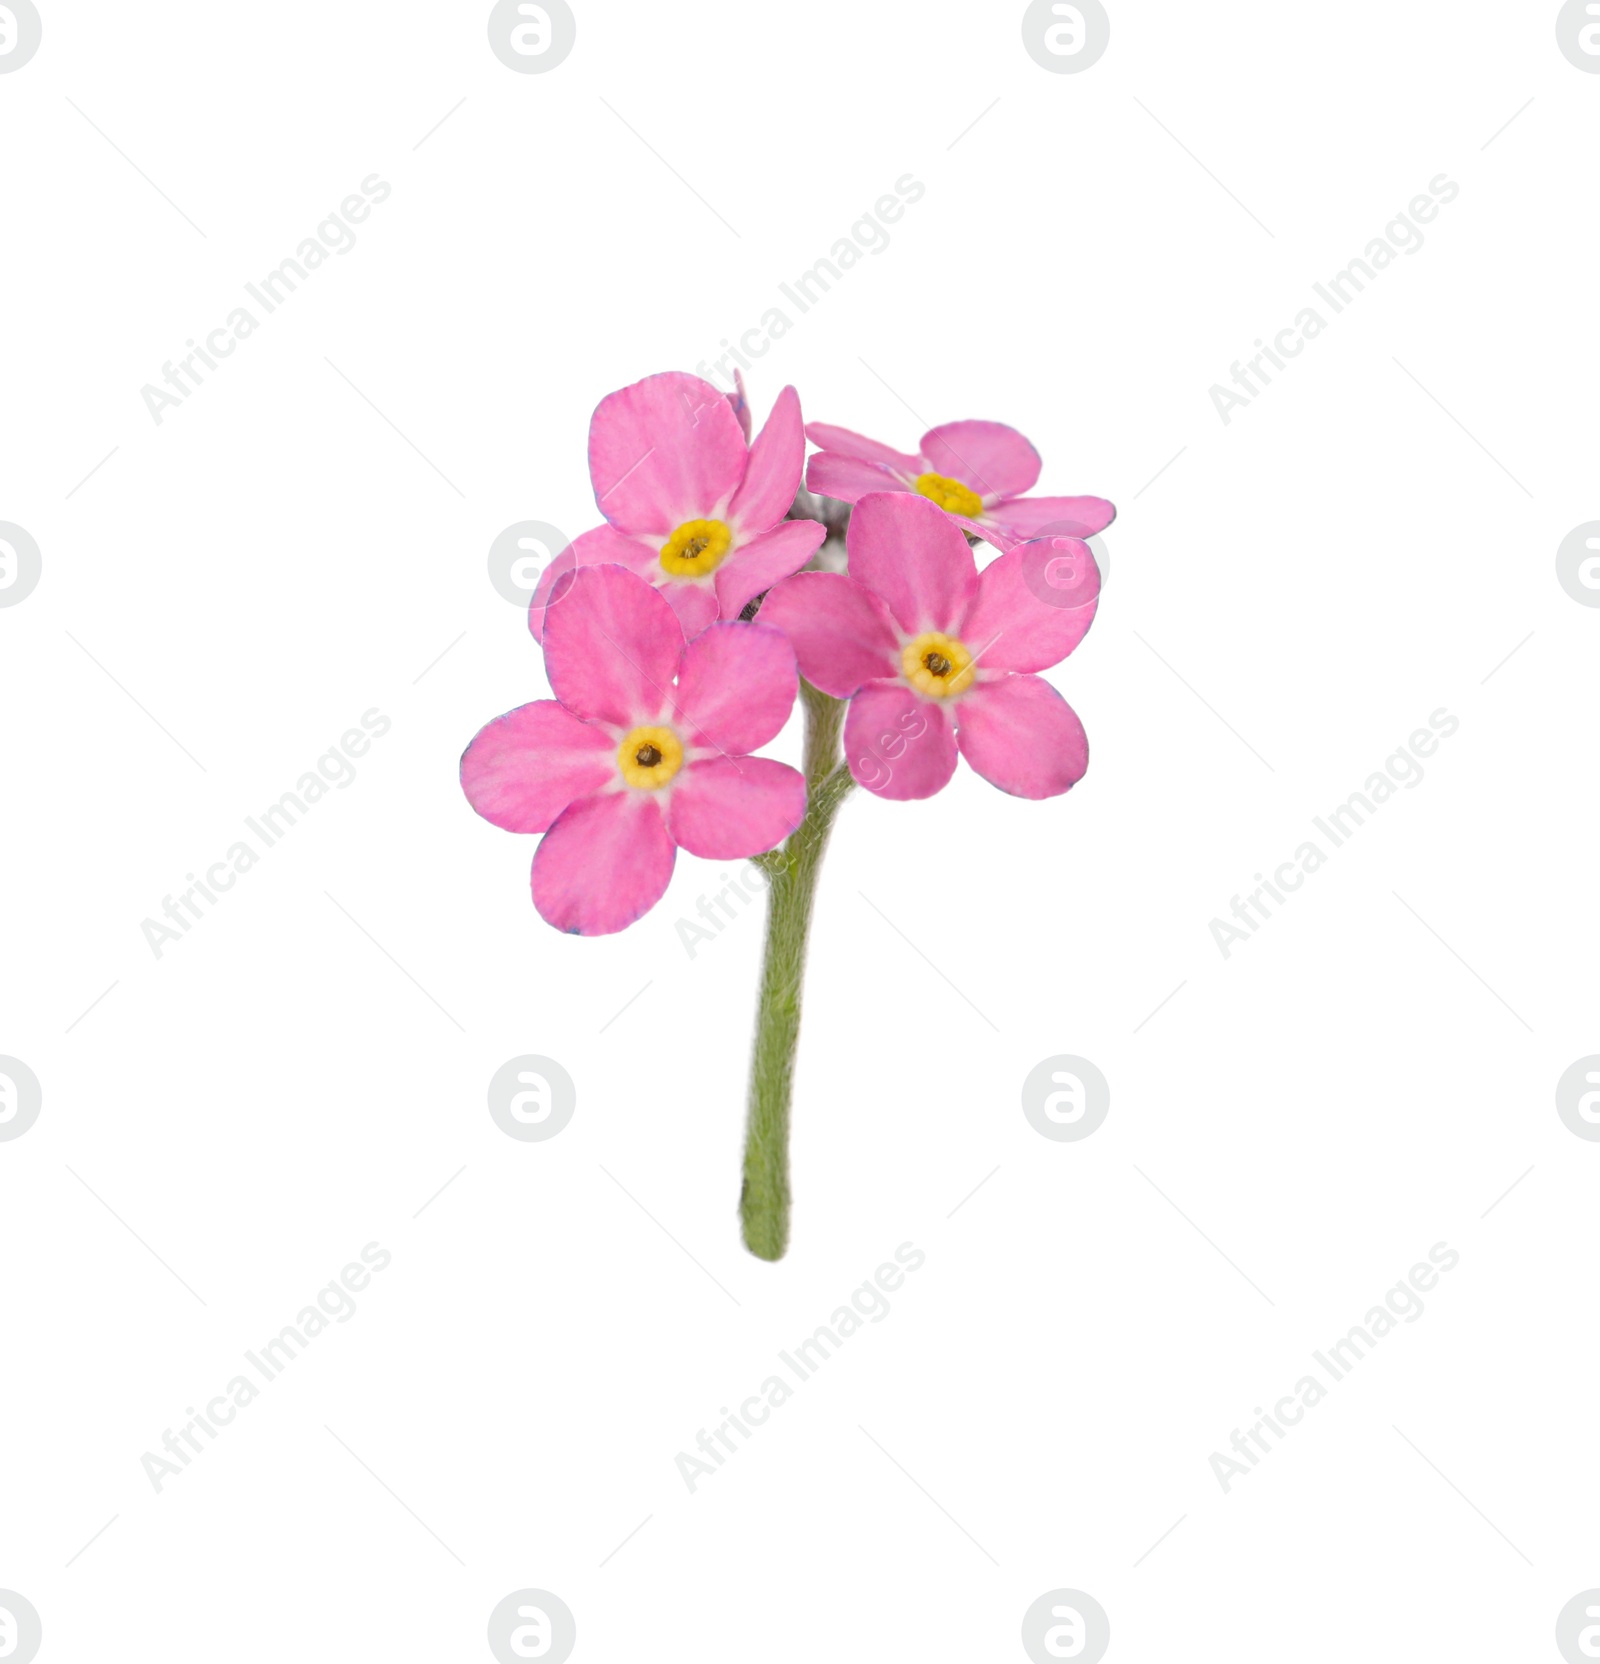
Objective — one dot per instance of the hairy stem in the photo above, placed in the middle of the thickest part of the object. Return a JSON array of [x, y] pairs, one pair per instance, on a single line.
[[792, 875]]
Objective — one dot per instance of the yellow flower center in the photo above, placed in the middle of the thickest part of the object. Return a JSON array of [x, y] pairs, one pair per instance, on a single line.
[[649, 757], [696, 548], [937, 665], [951, 495]]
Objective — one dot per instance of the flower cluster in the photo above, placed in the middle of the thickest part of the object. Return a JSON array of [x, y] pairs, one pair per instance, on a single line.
[[665, 687]]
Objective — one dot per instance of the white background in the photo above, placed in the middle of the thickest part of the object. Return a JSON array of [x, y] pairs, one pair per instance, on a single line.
[[1290, 595]]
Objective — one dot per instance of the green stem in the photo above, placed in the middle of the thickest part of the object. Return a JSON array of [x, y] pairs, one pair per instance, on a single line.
[[792, 875]]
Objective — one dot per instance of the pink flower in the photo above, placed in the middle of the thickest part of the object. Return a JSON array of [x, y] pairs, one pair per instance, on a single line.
[[688, 504], [935, 657], [975, 471], [642, 752]]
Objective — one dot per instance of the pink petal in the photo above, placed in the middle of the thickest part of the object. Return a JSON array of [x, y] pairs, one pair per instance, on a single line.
[[896, 744], [842, 442], [602, 546], [842, 633], [772, 475], [606, 861], [1022, 736], [611, 646], [665, 450], [724, 808], [525, 767], [1034, 605], [990, 533], [913, 554], [847, 479], [760, 563], [740, 400], [990, 458], [1052, 516], [695, 604], [736, 688]]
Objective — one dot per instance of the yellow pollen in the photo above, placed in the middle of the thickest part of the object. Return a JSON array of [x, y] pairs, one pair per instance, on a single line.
[[696, 548], [951, 495], [937, 665], [649, 757]]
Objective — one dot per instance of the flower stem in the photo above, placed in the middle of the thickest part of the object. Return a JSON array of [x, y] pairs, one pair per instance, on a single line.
[[792, 875]]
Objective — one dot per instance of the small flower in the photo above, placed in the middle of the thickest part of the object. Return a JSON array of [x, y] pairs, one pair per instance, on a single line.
[[936, 657], [975, 471], [643, 751], [688, 504]]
